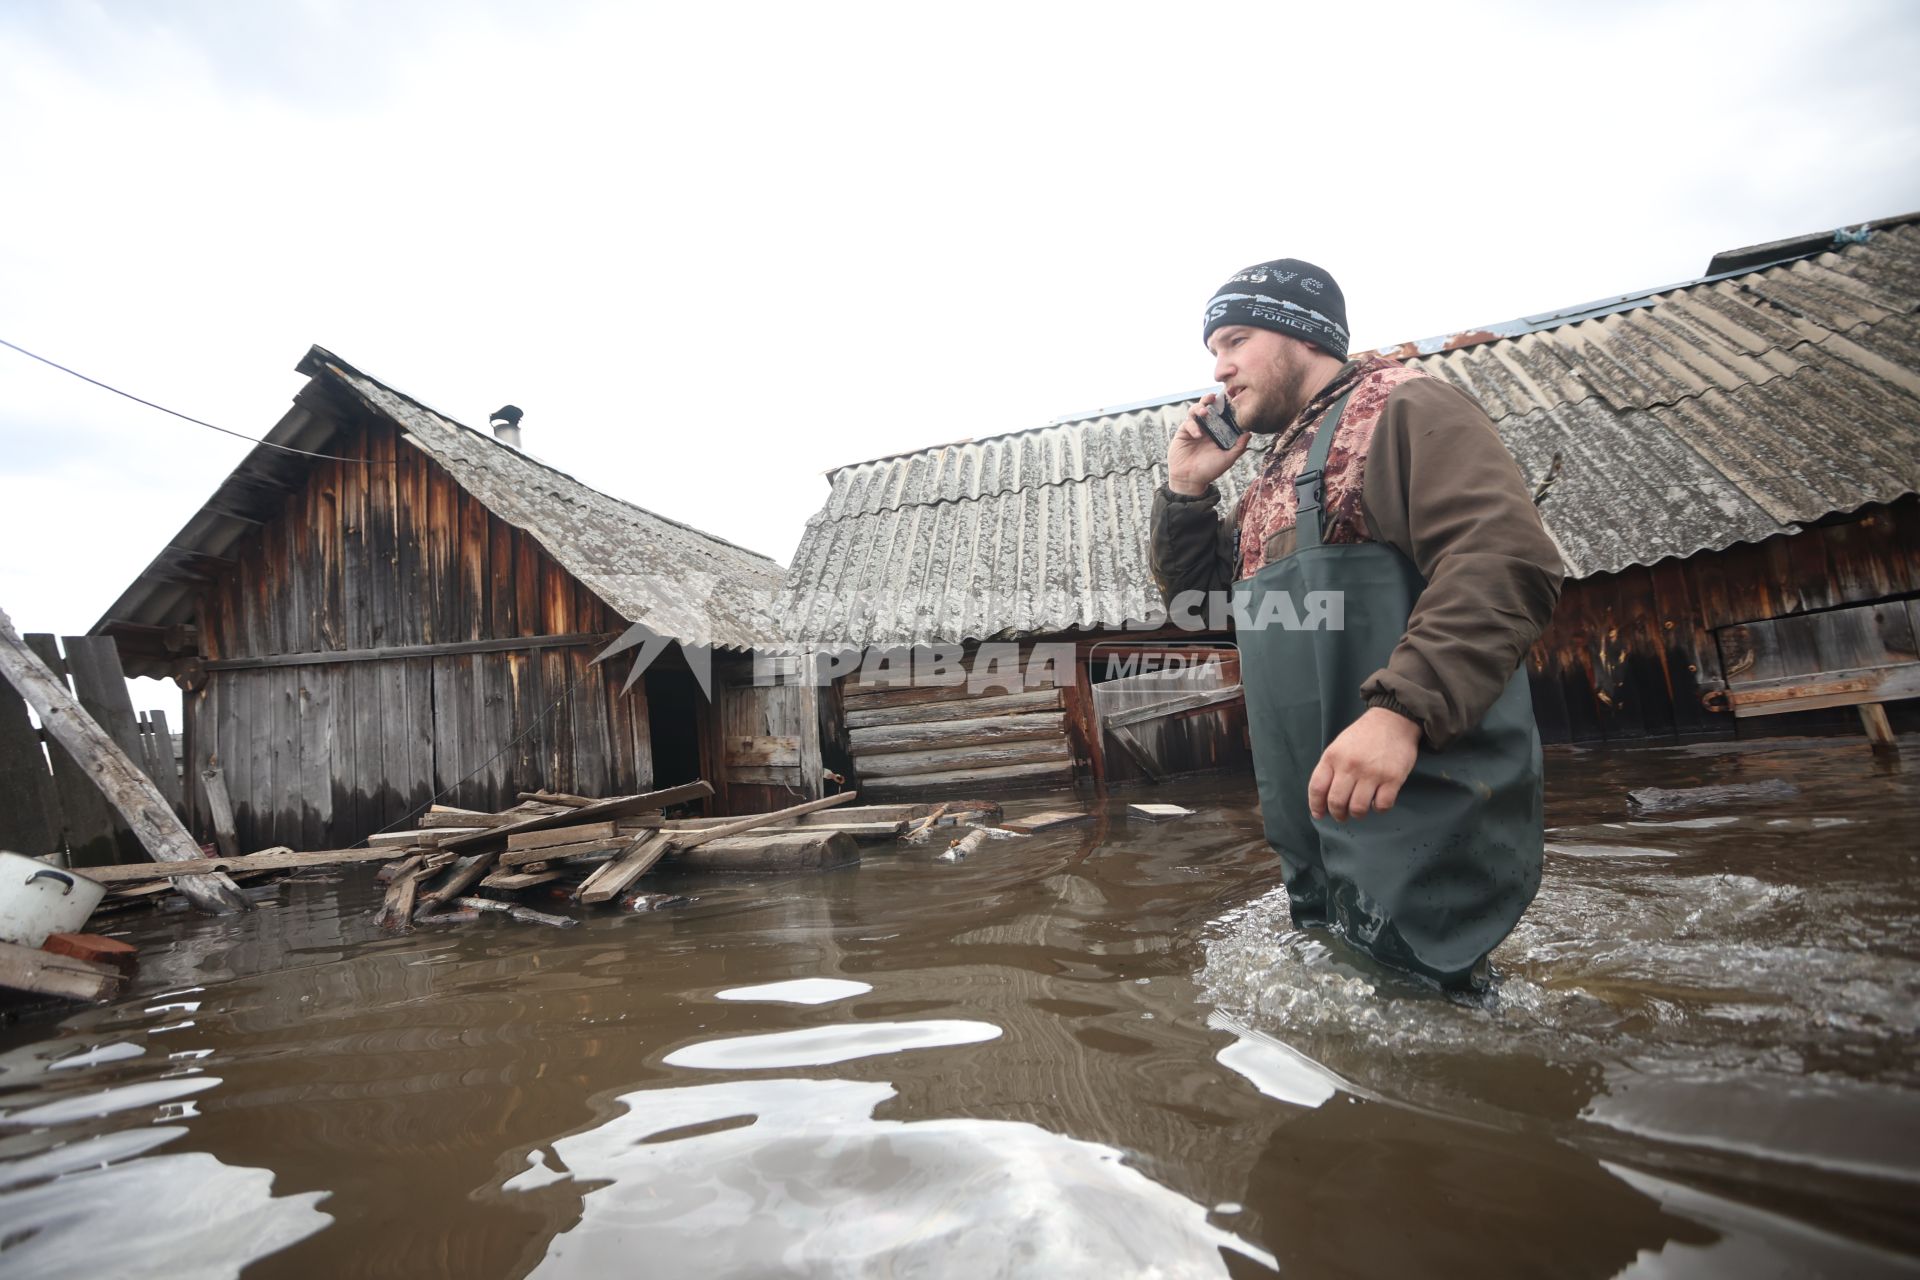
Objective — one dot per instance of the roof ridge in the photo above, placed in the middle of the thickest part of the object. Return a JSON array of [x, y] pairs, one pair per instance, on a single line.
[[318, 359], [1793, 249]]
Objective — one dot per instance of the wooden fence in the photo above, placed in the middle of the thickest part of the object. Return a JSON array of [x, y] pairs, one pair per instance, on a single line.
[[49, 803]]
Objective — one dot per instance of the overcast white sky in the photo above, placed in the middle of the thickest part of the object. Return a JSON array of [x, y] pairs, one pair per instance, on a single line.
[[713, 250]]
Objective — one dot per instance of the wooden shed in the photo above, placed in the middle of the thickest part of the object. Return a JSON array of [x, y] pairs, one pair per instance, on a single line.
[[381, 608], [1729, 467]]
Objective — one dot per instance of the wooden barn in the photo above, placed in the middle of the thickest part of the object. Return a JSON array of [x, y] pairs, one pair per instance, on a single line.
[[1728, 465], [381, 608]]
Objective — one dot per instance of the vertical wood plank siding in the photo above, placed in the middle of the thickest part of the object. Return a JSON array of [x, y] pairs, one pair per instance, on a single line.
[[374, 556]]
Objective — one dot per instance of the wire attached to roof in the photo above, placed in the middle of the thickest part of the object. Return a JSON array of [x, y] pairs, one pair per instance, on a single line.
[[284, 448]]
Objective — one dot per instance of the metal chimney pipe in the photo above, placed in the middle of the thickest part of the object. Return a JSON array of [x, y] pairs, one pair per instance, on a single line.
[[506, 425]]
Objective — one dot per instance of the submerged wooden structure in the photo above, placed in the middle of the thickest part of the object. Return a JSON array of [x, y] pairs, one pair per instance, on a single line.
[[415, 616], [1729, 467]]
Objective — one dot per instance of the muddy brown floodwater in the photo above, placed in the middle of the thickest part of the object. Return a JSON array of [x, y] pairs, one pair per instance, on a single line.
[[1099, 1051]]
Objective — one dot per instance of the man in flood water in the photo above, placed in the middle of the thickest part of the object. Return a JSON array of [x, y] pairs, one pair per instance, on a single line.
[[1394, 745]]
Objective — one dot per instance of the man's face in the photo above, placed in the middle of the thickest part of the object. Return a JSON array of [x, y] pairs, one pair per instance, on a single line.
[[1264, 373]]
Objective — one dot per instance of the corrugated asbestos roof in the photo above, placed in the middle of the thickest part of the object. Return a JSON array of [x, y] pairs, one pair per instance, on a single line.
[[1688, 419], [680, 582]]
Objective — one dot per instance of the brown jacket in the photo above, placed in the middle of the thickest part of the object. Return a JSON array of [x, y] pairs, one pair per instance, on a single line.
[[1437, 483]]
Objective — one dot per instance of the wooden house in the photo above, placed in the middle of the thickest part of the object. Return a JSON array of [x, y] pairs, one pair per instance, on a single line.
[[381, 608], [1729, 467]]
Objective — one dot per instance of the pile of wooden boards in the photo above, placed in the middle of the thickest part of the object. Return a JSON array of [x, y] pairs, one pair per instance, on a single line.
[[460, 864]]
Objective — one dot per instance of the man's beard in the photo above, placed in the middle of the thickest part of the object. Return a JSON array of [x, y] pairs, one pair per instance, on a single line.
[[1281, 403]]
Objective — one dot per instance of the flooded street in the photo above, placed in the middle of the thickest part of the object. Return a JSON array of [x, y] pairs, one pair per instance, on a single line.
[[1096, 1051]]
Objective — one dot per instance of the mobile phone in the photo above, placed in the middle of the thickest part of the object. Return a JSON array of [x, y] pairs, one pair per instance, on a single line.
[[1219, 424]]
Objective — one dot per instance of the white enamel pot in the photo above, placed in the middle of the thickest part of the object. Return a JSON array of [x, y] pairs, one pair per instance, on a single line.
[[37, 899]]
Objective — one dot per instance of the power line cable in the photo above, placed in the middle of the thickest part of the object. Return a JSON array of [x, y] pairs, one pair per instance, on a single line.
[[284, 448]]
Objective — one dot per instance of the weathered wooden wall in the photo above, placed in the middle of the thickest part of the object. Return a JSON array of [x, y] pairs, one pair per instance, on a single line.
[[1636, 655], [943, 739], [767, 739], [369, 556], [1207, 740]]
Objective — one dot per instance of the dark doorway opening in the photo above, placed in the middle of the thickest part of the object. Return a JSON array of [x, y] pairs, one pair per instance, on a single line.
[[675, 709]]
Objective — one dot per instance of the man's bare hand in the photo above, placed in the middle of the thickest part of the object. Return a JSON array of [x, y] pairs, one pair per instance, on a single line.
[[1363, 770], [1194, 461]]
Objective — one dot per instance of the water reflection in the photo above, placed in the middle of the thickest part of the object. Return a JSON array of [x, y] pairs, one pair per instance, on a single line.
[[1699, 1057], [804, 1181], [799, 991], [80, 1199], [821, 1046]]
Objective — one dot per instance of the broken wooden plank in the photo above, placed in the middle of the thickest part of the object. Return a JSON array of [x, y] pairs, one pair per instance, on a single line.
[[220, 810], [1158, 812], [1186, 702], [618, 807], [462, 878], [635, 861], [125, 785], [439, 819], [921, 827], [614, 878], [277, 858], [49, 974], [513, 878], [563, 852], [396, 911], [739, 826], [574, 833]]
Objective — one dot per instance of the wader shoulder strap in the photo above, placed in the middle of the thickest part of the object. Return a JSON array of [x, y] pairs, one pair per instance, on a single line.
[[1310, 522]]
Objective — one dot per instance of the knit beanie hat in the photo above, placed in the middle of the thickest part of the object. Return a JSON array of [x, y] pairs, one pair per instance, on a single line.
[[1287, 296]]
